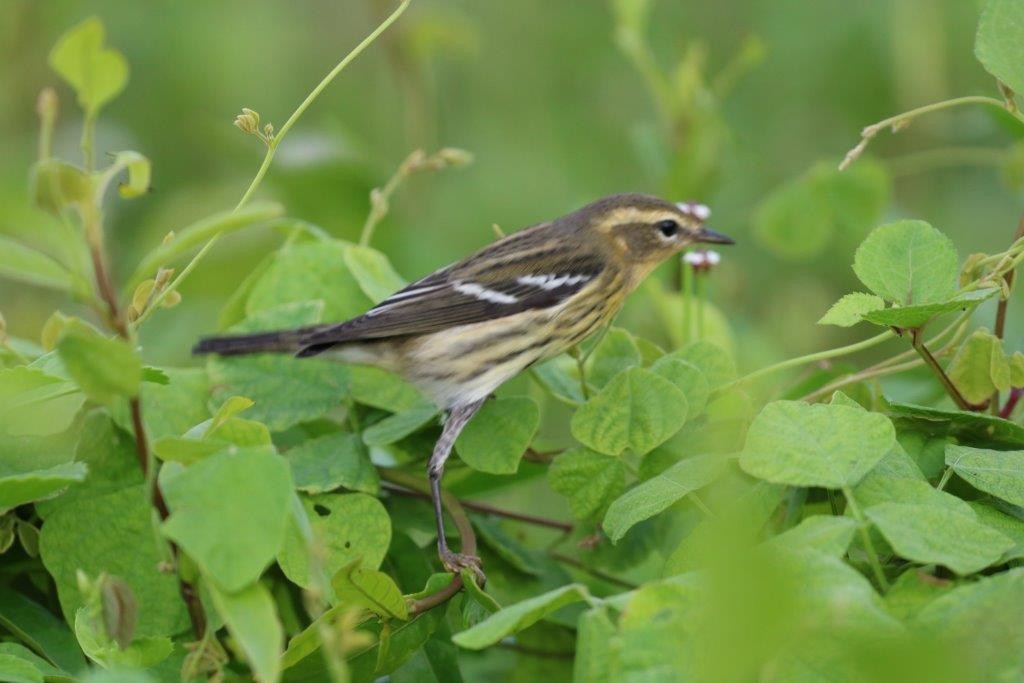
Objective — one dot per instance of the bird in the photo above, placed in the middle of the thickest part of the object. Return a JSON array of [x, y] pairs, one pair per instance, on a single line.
[[462, 331]]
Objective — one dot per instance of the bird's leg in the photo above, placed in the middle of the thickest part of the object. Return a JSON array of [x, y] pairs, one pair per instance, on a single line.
[[456, 420]]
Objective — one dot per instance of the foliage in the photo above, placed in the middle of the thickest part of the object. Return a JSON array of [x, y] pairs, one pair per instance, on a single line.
[[265, 515]]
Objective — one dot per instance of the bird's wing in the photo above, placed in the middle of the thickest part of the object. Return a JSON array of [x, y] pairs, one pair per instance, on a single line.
[[492, 284]]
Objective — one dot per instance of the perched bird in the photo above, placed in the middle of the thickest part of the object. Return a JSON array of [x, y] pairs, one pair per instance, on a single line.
[[460, 332]]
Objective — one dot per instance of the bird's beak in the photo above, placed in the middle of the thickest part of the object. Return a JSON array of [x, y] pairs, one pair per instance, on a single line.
[[712, 237]]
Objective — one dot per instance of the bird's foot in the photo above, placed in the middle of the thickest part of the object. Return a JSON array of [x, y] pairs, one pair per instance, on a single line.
[[456, 562]]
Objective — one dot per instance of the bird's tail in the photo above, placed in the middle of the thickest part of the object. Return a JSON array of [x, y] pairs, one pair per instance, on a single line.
[[276, 341]]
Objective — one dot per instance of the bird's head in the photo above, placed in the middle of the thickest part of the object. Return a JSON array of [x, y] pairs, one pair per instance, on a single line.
[[641, 230]]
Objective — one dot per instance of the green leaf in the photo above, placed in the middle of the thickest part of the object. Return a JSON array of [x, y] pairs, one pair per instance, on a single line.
[[348, 527], [998, 43], [400, 425], [560, 378], [229, 512], [1000, 473], [104, 368], [594, 647], [37, 627], [983, 616], [794, 221], [112, 534], [616, 352], [227, 410], [507, 548], [715, 362], [651, 497], [252, 621], [850, 309], [964, 425], [589, 480], [638, 410], [14, 669], [515, 618], [916, 316], [934, 534], [912, 591], [373, 271], [832, 446], [25, 487], [980, 367], [285, 390], [496, 438], [33, 402], [311, 271], [689, 379], [50, 673], [1010, 526], [908, 262], [98, 646], [382, 389], [822, 533], [369, 588], [799, 220], [55, 184], [110, 456], [173, 408], [97, 73], [24, 264], [333, 461]]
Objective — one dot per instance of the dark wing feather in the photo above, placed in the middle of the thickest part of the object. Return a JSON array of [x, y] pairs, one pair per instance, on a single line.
[[487, 286]]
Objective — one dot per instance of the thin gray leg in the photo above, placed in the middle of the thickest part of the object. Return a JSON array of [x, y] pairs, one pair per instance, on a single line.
[[453, 424]]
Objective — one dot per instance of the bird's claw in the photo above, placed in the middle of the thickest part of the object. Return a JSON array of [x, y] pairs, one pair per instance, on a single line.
[[456, 562]]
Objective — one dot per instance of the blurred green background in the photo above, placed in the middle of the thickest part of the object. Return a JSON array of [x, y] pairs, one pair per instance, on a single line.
[[556, 115]]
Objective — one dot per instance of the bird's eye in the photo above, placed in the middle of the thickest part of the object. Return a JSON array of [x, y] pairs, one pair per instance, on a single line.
[[668, 228]]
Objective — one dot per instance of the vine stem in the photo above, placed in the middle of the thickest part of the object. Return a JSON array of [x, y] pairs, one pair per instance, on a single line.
[[273, 143], [899, 121], [897, 363], [1000, 324], [954, 393], [311, 97], [862, 527], [491, 510], [813, 358]]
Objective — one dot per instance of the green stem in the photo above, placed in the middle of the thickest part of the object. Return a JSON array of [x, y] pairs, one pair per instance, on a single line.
[[898, 363], [582, 370], [689, 295], [947, 383], [900, 120], [946, 475], [311, 97], [862, 527], [89, 142], [813, 358], [299, 111]]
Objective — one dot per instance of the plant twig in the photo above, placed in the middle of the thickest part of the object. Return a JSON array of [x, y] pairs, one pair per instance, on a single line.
[[907, 360], [954, 393], [488, 509], [1011, 402], [273, 142], [812, 358], [900, 121], [107, 292], [1000, 325]]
